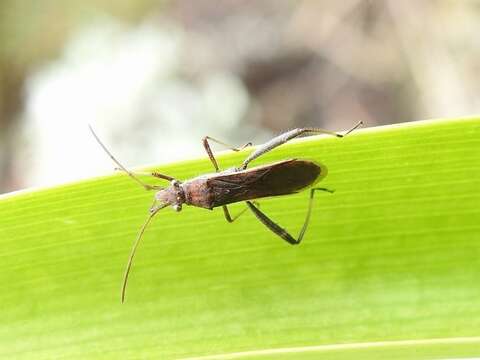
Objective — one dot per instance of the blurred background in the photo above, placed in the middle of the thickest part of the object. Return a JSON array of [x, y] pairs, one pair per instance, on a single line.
[[154, 77]]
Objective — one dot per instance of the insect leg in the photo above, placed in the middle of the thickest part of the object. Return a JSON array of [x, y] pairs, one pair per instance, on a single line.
[[227, 213], [228, 217], [121, 167], [287, 136], [281, 231], [206, 145], [153, 174]]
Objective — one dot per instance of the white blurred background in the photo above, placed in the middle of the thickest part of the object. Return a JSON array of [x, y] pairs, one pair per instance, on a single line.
[[154, 77]]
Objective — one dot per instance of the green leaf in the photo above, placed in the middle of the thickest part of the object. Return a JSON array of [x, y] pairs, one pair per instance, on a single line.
[[389, 266]]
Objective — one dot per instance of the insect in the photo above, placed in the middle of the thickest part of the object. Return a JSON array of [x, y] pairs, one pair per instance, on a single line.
[[236, 184]]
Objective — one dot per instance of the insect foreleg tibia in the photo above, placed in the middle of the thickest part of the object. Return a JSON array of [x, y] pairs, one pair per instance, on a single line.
[[208, 149], [281, 231], [145, 185], [145, 173]]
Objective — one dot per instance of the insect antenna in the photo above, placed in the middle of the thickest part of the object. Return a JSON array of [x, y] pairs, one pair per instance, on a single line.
[[134, 248], [146, 186]]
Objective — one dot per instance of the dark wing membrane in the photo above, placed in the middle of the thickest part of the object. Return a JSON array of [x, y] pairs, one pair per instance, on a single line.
[[281, 178]]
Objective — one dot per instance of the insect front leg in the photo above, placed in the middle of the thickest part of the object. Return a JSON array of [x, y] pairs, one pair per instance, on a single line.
[[281, 231], [128, 172], [153, 174], [206, 145], [289, 135]]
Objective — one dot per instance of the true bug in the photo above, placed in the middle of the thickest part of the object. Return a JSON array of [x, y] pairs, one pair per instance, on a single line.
[[236, 184]]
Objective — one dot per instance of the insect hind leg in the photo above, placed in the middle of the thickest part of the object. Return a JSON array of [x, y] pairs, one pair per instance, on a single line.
[[275, 228], [289, 135]]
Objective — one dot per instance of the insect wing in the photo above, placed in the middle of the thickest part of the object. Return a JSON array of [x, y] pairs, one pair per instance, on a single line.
[[281, 178]]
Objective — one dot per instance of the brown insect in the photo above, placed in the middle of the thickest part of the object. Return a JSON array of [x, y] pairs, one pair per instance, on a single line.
[[236, 184]]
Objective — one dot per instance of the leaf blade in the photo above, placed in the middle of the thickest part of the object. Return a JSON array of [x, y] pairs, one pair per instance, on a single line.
[[393, 254]]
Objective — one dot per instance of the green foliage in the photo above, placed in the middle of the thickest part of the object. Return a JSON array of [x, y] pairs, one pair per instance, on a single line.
[[393, 254]]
